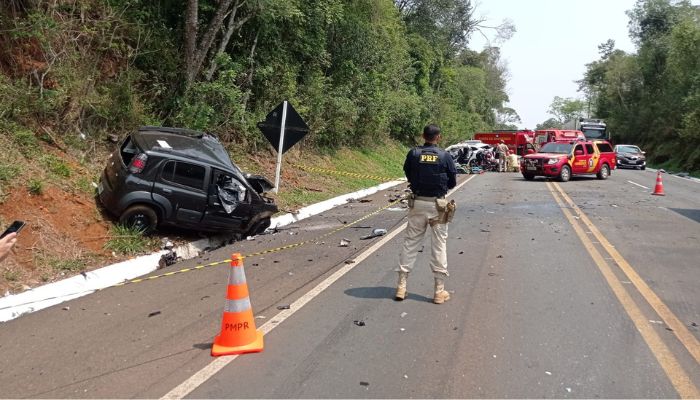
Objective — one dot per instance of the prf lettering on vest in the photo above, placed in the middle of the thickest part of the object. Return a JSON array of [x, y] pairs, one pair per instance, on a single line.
[[428, 158], [236, 327]]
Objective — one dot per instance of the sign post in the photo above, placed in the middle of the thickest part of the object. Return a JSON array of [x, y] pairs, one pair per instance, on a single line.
[[279, 149], [283, 127]]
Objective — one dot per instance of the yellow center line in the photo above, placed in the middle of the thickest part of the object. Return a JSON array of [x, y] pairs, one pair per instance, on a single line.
[[675, 372], [679, 329]]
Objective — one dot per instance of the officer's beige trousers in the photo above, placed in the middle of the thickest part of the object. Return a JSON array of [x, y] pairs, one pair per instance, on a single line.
[[418, 217]]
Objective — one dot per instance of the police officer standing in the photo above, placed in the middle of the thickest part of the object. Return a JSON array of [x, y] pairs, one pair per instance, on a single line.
[[431, 173]]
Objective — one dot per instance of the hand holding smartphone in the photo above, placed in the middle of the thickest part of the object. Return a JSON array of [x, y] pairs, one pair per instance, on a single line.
[[7, 243], [15, 227]]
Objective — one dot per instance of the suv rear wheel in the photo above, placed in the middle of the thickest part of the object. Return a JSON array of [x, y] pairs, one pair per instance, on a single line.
[[565, 174], [140, 217], [604, 172]]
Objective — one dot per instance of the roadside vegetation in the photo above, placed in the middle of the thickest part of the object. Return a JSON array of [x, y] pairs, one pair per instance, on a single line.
[[77, 76], [650, 98]]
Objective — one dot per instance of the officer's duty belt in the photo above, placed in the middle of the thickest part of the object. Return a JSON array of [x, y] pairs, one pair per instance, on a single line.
[[429, 198]]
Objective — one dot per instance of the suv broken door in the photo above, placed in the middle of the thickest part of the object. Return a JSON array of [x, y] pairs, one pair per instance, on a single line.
[[215, 213]]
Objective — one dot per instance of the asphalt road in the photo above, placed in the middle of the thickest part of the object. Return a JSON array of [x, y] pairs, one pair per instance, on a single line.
[[582, 289]]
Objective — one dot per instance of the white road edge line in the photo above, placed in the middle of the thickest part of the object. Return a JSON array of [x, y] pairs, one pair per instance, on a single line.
[[641, 186], [219, 363]]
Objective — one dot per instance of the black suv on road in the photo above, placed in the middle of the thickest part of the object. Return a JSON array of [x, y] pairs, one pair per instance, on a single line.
[[183, 178]]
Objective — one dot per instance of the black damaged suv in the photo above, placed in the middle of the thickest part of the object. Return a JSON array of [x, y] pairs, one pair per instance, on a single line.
[[183, 178]]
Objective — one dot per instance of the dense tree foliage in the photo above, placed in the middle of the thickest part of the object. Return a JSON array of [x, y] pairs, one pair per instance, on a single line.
[[652, 98], [358, 72]]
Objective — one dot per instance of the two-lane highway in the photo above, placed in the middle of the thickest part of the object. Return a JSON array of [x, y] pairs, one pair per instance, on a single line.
[[581, 289]]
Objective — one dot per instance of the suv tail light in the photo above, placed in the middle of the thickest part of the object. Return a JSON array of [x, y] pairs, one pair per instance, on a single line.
[[138, 163]]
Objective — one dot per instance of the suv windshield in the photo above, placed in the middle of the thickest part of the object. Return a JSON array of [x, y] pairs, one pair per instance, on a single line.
[[560, 148], [593, 133], [628, 149]]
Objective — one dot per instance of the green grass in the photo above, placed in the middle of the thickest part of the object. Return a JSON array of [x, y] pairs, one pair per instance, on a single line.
[[386, 160], [7, 171], [68, 265], [35, 186], [128, 241], [57, 166], [672, 167], [11, 275]]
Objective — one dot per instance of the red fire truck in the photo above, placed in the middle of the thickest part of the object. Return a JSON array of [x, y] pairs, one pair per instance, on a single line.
[[519, 142], [557, 135]]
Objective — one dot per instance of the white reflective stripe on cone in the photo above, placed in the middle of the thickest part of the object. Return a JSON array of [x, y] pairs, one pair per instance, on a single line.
[[237, 276], [237, 305]]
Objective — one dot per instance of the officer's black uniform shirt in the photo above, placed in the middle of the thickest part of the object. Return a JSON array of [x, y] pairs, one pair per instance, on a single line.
[[430, 171]]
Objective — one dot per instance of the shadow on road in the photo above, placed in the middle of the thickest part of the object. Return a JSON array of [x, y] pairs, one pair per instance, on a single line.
[[203, 346], [688, 213], [383, 292]]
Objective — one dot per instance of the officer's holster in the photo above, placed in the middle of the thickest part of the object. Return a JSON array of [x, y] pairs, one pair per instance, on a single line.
[[446, 211]]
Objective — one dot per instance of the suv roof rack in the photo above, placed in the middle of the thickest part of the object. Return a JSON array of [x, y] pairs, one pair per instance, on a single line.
[[178, 131]]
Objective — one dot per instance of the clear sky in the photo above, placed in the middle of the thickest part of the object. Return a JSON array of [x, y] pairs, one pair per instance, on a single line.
[[553, 42]]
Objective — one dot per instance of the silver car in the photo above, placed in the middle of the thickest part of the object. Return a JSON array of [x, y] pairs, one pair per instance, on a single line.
[[630, 156]]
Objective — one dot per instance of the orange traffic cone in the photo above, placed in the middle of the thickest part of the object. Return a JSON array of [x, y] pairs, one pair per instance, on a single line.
[[238, 334], [659, 189]]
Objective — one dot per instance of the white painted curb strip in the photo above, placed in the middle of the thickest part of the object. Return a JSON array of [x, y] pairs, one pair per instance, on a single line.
[[51, 294]]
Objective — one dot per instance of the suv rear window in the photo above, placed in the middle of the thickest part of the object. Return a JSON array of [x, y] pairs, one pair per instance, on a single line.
[[184, 174], [604, 147]]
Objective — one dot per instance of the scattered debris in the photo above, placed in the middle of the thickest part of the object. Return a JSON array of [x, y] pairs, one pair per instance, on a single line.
[[284, 307], [359, 322], [405, 376], [166, 244], [402, 329], [153, 314], [499, 256], [204, 297], [66, 308], [167, 259], [485, 230], [693, 324], [547, 372], [403, 314], [365, 200], [656, 322], [260, 317], [421, 249], [250, 238], [492, 274], [291, 273], [568, 390], [364, 383], [344, 242], [349, 261], [375, 233], [613, 205], [461, 252]]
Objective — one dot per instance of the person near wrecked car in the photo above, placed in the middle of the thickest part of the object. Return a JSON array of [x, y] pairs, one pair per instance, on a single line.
[[6, 245], [431, 173], [502, 151]]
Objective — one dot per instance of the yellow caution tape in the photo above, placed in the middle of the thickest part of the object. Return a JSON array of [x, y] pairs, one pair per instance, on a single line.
[[334, 172], [259, 253]]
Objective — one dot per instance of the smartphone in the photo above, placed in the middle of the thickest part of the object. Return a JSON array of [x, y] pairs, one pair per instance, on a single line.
[[15, 227]]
